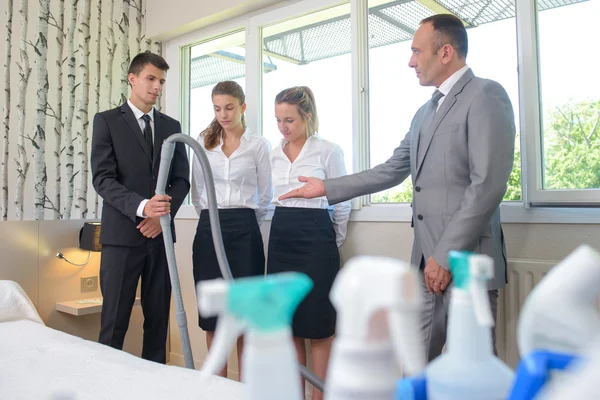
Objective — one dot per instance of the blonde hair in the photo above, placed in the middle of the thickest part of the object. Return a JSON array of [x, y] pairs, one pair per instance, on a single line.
[[304, 99], [212, 133]]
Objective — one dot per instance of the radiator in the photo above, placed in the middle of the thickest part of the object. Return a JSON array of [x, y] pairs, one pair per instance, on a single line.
[[523, 275]]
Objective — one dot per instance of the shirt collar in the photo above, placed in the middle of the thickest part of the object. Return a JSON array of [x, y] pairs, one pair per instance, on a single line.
[[243, 138], [447, 85], [139, 113], [309, 140], [246, 134]]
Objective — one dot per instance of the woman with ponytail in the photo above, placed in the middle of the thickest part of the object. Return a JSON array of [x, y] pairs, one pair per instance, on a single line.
[[242, 173], [303, 236]]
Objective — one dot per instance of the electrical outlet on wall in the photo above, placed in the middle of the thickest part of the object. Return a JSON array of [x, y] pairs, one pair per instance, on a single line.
[[89, 283]]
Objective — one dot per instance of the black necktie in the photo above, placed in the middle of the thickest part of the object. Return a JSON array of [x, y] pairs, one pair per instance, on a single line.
[[429, 115], [148, 134]]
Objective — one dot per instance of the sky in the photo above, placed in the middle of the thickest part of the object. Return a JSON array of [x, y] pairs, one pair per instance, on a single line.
[[568, 64]]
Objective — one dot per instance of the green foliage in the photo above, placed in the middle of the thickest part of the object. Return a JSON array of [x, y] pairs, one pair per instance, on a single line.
[[403, 192], [572, 146], [571, 154], [399, 194], [513, 190]]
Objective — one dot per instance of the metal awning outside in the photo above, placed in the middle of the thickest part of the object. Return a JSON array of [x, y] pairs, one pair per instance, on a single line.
[[389, 23], [219, 66]]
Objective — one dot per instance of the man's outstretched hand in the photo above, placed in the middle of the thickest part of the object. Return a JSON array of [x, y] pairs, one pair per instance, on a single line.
[[314, 188]]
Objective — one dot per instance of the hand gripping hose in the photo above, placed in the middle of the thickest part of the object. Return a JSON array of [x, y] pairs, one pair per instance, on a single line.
[[168, 149]]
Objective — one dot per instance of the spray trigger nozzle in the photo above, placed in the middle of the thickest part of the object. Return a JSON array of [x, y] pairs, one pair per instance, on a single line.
[[481, 269]]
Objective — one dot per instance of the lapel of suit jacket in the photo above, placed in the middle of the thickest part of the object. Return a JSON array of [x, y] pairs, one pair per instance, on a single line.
[[415, 137], [427, 137], [135, 128], [158, 139]]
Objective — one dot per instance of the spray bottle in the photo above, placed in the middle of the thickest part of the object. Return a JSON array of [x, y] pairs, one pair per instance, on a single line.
[[561, 314], [581, 381], [262, 309], [378, 312], [469, 370]]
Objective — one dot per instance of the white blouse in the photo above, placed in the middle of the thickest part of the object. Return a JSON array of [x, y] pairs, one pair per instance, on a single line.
[[242, 180], [319, 158]]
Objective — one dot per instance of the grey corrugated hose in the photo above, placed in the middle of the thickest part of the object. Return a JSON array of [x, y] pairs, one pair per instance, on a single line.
[[168, 149]]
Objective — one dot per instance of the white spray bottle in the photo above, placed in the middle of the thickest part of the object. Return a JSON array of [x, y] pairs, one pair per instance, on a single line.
[[469, 370], [581, 381], [561, 313], [262, 308], [378, 328]]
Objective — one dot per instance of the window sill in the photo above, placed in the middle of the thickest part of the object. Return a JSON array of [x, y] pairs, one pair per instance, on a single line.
[[511, 213]]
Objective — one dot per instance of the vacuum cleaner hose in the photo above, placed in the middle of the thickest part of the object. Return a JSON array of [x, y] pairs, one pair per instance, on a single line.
[[168, 149]]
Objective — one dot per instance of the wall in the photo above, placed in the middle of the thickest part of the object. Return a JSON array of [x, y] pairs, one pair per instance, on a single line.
[[185, 16], [29, 250], [532, 250], [77, 54]]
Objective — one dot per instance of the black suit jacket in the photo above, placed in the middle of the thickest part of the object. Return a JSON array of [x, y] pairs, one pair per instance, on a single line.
[[124, 175]]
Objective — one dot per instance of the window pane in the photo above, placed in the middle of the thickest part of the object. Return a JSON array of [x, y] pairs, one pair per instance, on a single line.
[[395, 93], [212, 62], [570, 94], [314, 51]]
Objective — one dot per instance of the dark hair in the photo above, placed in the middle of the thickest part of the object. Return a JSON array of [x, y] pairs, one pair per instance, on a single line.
[[449, 29], [141, 60], [304, 98], [212, 134]]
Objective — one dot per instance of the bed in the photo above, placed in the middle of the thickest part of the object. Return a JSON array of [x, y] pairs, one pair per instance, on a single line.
[[37, 362]]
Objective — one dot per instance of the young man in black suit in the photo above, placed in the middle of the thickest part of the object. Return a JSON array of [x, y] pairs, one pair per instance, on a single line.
[[125, 157]]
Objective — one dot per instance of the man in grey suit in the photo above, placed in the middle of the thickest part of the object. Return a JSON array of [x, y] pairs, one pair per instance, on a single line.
[[459, 153]]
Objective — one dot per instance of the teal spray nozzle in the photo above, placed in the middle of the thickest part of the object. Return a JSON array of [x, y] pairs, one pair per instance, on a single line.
[[269, 303], [258, 304]]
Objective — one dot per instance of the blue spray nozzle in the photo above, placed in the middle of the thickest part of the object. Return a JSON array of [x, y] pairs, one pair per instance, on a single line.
[[268, 303]]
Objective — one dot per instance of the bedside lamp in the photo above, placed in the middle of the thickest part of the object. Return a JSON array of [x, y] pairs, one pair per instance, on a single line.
[[89, 239]]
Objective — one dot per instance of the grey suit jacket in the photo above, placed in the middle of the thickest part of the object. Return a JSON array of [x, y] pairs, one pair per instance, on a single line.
[[459, 175]]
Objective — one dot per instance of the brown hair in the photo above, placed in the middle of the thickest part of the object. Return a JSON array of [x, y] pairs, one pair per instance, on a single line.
[[304, 98], [449, 29], [212, 133], [142, 59]]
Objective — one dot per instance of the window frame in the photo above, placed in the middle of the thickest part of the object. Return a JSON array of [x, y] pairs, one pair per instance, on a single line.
[[534, 195], [254, 59], [537, 205]]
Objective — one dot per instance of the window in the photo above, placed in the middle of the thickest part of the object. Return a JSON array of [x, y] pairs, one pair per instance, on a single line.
[[354, 56], [570, 96], [312, 50], [395, 94], [211, 62]]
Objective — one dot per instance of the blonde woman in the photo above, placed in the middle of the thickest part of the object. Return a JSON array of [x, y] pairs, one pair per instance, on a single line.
[[303, 236]]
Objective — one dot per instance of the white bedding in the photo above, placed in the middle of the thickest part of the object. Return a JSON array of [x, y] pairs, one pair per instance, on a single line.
[[15, 305], [37, 362]]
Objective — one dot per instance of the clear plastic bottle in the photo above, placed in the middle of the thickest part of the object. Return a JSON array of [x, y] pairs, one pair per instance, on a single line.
[[262, 308], [469, 370], [378, 312]]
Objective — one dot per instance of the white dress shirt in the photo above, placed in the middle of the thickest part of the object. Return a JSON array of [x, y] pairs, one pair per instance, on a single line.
[[242, 180], [319, 158], [138, 116], [447, 85]]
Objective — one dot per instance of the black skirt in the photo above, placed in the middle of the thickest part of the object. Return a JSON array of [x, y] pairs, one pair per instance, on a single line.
[[243, 246], [303, 240]]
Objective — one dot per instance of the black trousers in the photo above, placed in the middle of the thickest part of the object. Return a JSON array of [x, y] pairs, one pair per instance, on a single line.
[[120, 271]]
